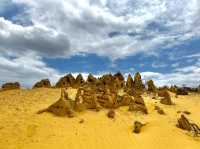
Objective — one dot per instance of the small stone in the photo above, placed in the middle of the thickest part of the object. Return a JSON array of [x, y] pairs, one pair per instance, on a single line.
[[137, 127], [81, 121], [187, 112], [111, 114], [159, 110]]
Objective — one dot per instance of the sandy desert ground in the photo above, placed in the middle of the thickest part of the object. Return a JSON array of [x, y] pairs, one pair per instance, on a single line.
[[22, 128]]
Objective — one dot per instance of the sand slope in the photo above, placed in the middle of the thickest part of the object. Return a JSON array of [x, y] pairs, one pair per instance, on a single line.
[[21, 128]]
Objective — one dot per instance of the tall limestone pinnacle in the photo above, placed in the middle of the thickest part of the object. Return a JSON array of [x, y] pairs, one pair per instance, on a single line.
[[129, 82], [138, 85]]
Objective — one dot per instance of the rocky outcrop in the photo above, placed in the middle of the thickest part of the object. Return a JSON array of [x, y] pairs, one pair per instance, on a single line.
[[78, 104], [111, 114], [137, 127], [124, 100], [10, 86], [159, 110], [90, 99], [129, 82], [138, 105], [107, 99], [184, 124], [43, 83], [62, 107], [79, 81], [66, 81], [165, 97], [91, 79], [119, 76], [119, 80], [111, 82], [138, 85], [181, 91], [151, 86]]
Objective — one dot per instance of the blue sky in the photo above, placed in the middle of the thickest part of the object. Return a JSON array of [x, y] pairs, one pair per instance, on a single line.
[[159, 38]]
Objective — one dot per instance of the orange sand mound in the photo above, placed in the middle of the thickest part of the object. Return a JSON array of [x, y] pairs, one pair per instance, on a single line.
[[22, 128]]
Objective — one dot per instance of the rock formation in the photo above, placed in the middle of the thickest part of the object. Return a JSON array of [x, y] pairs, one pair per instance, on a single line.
[[173, 89], [159, 110], [138, 105], [91, 79], [165, 97], [10, 86], [124, 100], [184, 124], [137, 127], [90, 99], [66, 81], [62, 107], [181, 91], [107, 99], [138, 82], [119, 80], [111, 114], [119, 76], [78, 104], [129, 82], [43, 83], [151, 86], [79, 81]]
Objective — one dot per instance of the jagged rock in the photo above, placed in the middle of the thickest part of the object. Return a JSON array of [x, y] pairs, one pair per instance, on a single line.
[[129, 82], [119, 80], [124, 100], [119, 76], [151, 86], [173, 89], [111, 114], [138, 105], [107, 99], [81, 121], [159, 110], [138, 85], [79, 80], [166, 98], [91, 79], [43, 83], [62, 107], [186, 112], [184, 124], [133, 92], [78, 104], [181, 91], [10, 86], [66, 81], [137, 127], [90, 99], [110, 82]]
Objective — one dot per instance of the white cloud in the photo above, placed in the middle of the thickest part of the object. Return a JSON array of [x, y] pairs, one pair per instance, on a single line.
[[188, 75], [37, 38], [26, 69], [62, 28], [83, 26]]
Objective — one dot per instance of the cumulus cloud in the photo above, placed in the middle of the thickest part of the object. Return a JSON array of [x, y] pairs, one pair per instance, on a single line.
[[44, 41], [187, 75], [26, 69], [85, 26], [111, 28]]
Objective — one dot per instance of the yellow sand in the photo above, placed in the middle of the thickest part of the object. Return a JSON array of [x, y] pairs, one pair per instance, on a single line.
[[21, 128]]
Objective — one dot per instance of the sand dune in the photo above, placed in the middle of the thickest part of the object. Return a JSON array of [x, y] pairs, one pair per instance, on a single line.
[[22, 128]]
